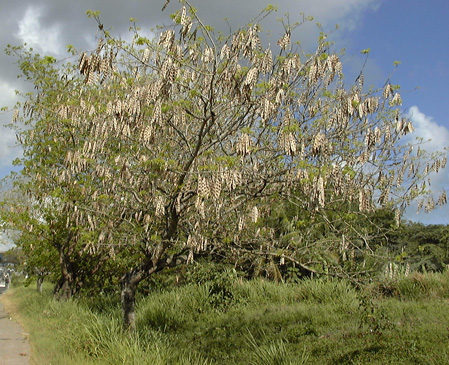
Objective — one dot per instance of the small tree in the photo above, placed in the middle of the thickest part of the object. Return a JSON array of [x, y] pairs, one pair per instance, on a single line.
[[170, 147], [51, 245]]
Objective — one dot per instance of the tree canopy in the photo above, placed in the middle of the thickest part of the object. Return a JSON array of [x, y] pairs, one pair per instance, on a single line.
[[151, 152]]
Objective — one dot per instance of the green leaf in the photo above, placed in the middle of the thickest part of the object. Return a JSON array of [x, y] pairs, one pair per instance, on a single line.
[[93, 14]]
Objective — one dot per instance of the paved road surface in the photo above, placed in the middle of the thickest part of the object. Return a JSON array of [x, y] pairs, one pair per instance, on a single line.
[[14, 348]]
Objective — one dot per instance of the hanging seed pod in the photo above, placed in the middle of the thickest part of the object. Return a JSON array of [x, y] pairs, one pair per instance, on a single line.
[[160, 208], [243, 144], [387, 91], [84, 63], [254, 214], [420, 205], [203, 187], [241, 223], [288, 143], [442, 199], [251, 77], [267, 62], [225, 52], [320, 192], [146, 55], [397, 100], [167, 38], [319, 143], [284, 42], [15, 116], [216, 187]]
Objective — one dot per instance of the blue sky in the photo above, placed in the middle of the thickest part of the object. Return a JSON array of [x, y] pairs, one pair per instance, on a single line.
[[414, 32]]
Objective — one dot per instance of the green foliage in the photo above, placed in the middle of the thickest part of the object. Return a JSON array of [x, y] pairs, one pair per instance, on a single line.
[[271, 7], [93, 14], [313, 322], [424, 248]]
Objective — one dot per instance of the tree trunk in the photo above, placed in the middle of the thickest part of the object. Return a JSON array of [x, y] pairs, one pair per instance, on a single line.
[[64, 289], [129, 283], [40, 282]]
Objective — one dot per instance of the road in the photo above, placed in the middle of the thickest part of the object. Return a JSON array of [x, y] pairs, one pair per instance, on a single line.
[[14, 348]]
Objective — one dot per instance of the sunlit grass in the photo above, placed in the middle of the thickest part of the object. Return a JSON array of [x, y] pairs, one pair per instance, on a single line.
[[322, 321]]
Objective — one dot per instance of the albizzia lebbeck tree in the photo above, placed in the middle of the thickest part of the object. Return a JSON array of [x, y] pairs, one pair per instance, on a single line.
[[183, 144]]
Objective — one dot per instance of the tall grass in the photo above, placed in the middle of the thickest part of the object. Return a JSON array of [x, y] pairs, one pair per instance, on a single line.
[[225, 320], [416, 286]]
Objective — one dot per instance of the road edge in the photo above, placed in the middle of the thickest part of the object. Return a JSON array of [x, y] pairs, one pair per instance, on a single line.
[[8, 310]]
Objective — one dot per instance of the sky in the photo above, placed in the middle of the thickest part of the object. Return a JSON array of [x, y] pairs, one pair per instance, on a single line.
[[413, 32]]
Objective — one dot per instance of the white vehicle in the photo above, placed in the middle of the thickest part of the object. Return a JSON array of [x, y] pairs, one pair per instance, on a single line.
[[2, 284]]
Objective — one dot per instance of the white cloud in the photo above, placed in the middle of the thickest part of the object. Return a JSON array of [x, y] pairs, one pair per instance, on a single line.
[[8, 94], [8, 151], [429, 130], [438, 137], [346, 13], [33, 33]]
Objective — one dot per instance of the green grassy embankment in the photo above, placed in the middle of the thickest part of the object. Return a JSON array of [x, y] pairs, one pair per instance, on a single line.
[[229, 321]]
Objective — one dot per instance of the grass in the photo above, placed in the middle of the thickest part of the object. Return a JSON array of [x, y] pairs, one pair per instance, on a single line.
[[401, 321]]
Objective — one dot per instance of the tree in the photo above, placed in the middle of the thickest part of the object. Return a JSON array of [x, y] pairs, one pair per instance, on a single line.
[[51, 246], [163, 149], [422, 247]]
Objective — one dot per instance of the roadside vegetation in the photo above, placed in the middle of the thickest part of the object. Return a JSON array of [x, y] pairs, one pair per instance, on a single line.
[[202, 198], [229, 320]]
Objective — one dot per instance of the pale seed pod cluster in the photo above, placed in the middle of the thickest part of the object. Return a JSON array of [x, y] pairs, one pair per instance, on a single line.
[[189, 127], [320, 194], [396, 100], [320, 144], [200, 207], [255, 214], [388, 91], [147, 134], [266, 63], [203, 187], [215, 187], [364, 200], [167, 38], [208, 55], [160, 206], [284, 42], [15, 116], [185, 21], [404, 126], [442, 200], [242, 147], [232, 179], [288, 143], [241, 223], [251, 77], [98, 65]]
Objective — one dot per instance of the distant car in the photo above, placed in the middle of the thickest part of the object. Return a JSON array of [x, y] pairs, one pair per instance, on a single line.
[[2, 284]]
